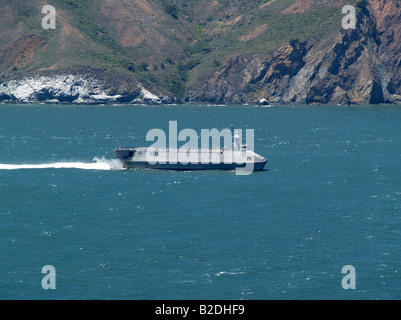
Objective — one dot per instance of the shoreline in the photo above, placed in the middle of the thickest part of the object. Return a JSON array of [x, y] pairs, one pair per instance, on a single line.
[[199, 104]]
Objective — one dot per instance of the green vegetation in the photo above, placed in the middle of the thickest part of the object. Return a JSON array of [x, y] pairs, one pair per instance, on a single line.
[[85, 17], [171, 8], [173, 41], [362, 4]]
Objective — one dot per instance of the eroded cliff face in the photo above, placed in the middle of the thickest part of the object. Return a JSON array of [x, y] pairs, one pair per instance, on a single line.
[[250, 78], [76, 89], [387, 15], [359, 66]]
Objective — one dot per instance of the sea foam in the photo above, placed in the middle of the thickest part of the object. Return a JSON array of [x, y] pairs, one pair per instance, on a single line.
[[98, 164]]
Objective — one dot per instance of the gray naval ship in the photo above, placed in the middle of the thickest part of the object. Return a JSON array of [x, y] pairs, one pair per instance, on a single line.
[[237, 157]]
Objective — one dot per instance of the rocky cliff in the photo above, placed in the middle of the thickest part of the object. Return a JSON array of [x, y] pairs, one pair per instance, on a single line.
[[230, 52], [360, 66]]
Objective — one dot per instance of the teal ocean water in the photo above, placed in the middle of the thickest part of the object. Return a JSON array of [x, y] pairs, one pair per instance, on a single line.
[[330, 197]]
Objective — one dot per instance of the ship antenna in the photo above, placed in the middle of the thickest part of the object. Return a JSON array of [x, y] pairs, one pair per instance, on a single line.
[[232, 135]]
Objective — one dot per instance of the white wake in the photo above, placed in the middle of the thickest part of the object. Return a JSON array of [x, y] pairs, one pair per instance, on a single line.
[[98, 164]]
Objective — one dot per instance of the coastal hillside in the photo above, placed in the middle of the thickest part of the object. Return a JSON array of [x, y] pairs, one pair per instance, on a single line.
[[198, 51]]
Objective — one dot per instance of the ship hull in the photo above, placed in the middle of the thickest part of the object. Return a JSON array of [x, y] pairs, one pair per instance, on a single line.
[[258, 166], [190, 160]]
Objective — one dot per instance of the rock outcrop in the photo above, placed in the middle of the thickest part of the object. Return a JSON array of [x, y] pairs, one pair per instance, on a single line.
[[77, 89], [360, 66]]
